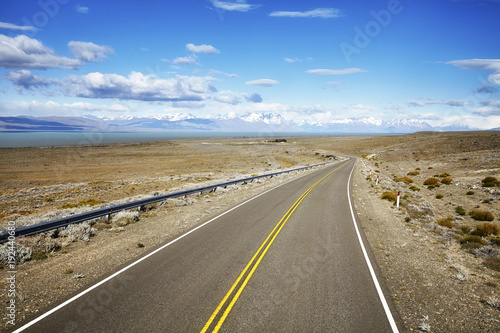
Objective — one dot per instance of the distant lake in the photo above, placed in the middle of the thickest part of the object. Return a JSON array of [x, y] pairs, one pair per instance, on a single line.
[[48, 139]]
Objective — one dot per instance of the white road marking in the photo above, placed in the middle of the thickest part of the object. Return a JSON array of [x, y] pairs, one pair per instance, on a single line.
[[370, 267]]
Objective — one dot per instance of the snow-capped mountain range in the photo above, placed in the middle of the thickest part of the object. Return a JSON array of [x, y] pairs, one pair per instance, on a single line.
[[249, 122]]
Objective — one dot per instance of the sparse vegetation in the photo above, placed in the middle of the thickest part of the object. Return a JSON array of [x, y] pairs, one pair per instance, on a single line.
[[495, 240], [140, 245], [447, 181], [405, 180], [460, 210], [485, 229], [413, 173], [389, 196], [492, 263], [470, 193], [444, 175], [490, 182], [439, 196], [38, 255], [89, 202], [480, 215], [466, 229], [68, 271], [414, 188], [431, 181], [472, 242], [446, 222]]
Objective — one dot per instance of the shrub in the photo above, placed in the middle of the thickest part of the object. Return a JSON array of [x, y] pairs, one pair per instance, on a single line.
[[417, 169], [460, 210], [465, 229], [407, 219], [378, 171], [443, 175], [490, 182], [405, 180], [492, 263], [480, 215], [446, 181], [472, 242], [445, 222], [431, 181], [38, 255], [414, 188], [485, 229], [439, 196], [89, 202], [495, 240], [139, 245], [413, 173], [486, 201], [68, 271], [470, 193], [390, 196], [430, 168]]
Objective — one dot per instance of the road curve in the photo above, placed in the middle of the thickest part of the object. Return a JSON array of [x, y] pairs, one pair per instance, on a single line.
[[287, 261]]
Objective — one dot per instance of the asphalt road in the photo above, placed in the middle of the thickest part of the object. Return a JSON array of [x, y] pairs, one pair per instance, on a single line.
[[286, 261]]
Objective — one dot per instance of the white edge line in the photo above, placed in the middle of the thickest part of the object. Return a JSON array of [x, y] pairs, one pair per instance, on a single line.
[[60, 306], [370, 267]]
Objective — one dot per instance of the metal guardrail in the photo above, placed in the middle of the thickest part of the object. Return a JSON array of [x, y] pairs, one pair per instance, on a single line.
[[72, 219]]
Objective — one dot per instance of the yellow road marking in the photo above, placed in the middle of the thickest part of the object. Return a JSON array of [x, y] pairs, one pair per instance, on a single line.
[[282, 222]]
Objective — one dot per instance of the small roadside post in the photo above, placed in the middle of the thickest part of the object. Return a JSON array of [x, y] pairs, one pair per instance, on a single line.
[[376, 183], [397, 202]]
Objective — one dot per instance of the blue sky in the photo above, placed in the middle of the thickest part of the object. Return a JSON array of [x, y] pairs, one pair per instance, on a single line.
[[434, 60]]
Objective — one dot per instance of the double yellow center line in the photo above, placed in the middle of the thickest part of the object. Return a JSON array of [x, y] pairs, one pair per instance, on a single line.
[[253, 264]]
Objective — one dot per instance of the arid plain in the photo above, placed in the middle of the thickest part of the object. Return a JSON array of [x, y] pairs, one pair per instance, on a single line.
[[441, 278]]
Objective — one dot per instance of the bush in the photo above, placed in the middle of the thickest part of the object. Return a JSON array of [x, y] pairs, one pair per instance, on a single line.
[[460, 210], [413, 173], [485, 229], [444, 175], [480, 215], [445, 222], [490, 182], [439, 196], [446, 181], [465, 229], [431, 181], [414, 188], [390, 196], [38, 255], [470, 193], [472, 242], [492, 263], [405, 180], [495, 240]]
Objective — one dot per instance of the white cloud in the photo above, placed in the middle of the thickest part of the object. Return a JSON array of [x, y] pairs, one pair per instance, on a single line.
[[237, 6], [292, 60], [451, 102], [487, 111], [52, 108], [22, 52], [5, 25], [138, 86], [90, 52], [208, 49], [335, 71], [487, 65], [23, 79], [189, 60], [315, 13], [82, 9], [233, 98], [334, 84], [491, 102], [215, 72], [262, 83]]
